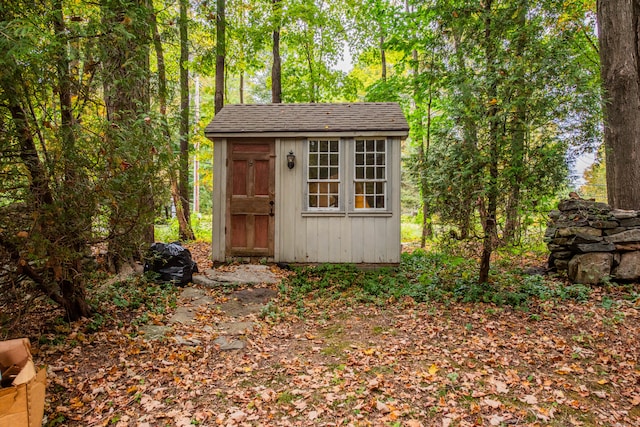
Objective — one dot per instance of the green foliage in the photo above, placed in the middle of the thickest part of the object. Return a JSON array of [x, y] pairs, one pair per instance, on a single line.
[[167, 230], [139, 296], [427, 276]]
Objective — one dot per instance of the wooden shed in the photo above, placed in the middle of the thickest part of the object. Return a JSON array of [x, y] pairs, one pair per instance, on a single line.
[[307, 183]]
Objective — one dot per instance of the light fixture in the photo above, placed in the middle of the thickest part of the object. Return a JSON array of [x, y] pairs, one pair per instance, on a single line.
[[291, 160]]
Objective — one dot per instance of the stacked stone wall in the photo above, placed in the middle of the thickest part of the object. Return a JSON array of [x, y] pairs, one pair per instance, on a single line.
[[593, 242]]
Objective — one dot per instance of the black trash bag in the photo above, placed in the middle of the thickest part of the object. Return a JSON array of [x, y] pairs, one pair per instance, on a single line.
[[172, 262]]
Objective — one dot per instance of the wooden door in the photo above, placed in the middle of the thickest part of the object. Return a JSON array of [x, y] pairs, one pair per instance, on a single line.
[[250, 204]]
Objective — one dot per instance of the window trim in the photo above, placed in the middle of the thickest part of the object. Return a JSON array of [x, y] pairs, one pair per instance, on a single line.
[[385, 181], [341, 193], [347, 181]]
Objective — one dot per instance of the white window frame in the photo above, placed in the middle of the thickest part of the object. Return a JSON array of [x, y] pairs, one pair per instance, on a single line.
[[371, 159], [347, 178], [324, 192]]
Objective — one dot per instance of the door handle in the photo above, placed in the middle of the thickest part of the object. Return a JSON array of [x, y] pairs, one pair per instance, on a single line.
[[271, 204]]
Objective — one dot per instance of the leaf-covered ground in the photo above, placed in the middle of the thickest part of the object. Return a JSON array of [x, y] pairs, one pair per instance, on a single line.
[[338, 361]]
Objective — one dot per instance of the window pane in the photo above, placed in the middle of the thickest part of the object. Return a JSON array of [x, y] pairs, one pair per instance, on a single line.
[[380, 161], [370, 174], [359, 159], [323, 174], [359, 146], [370, 159], [371, 145], [380, 173], [380, 145]]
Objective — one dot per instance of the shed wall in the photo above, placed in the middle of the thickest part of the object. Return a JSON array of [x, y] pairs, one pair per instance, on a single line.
[[350, 238], [315, 238]]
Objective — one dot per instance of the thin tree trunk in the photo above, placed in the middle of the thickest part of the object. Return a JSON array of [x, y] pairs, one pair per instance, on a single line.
[[196, 148], [220, 55], [183, 224], [470, 149], [77, 222], [518, 141], [423, 157], [276, 68], [383, 59], [185, 231], [492, 119]]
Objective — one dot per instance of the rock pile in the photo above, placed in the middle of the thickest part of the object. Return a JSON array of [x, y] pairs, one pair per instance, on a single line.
[[593, 242]]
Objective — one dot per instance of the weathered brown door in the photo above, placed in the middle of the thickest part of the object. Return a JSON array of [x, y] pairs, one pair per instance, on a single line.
[[250, 204]]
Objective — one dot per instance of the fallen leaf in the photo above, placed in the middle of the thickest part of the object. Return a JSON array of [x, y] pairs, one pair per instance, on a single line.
[[530, 399], [495, 404], [501, 387], [382, 407]]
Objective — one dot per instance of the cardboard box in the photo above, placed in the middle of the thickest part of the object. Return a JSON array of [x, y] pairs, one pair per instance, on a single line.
[[22, 400]]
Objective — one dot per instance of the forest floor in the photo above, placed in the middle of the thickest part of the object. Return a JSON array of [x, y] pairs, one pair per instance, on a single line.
[[341, 361]]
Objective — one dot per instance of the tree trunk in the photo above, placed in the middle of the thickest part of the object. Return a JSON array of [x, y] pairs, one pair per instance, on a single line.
[[518, 140], [276, 68], [618, 30], [125, 70], [196, 148], [423, 155], [220, 55], [469, 149], [185, 231], [493, 140], [183, 224], [383, 60]]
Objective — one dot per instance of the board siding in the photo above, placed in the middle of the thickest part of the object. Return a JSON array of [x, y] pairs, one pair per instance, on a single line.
[[316, 239], [219, 200]]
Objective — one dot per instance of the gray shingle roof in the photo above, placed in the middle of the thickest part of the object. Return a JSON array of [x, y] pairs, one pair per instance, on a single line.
[[290, 119]]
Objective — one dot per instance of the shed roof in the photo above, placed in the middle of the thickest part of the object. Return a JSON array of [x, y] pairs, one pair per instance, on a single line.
[[275, 120]]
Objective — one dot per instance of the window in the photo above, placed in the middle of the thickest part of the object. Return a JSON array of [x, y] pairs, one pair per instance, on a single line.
[[330, 160], [323, 174], [370, 183]]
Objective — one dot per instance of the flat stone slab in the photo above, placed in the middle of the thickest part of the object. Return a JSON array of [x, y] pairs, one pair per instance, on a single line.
[[184, 315], [254, 295], [227, 344], [244, 274], [192, 342], [196, 295], [235, 308], [155, 332], [235, 328], [188, 302]]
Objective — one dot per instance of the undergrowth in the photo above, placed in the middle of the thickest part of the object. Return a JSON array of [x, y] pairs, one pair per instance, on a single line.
[[427, 276], [135, 300]]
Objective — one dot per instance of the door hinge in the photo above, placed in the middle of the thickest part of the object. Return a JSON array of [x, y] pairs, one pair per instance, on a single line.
[[225, 230]]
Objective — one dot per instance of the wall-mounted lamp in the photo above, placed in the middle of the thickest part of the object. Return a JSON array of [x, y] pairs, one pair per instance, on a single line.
[[291, 160]]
